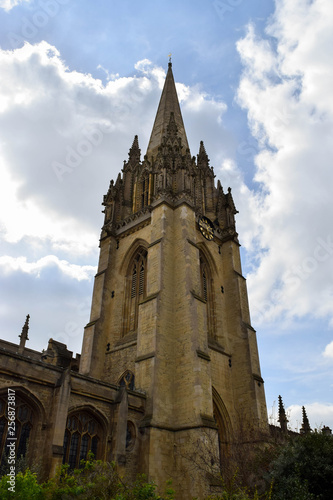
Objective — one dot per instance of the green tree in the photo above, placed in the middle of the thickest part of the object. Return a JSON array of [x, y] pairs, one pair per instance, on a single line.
[[26, 487], [304, 469]]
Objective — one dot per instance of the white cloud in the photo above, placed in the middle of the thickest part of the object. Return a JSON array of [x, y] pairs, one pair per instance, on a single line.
[[285, 89], [319, 415], [7, 5], [64, 135], [328, 352], [79, 273]]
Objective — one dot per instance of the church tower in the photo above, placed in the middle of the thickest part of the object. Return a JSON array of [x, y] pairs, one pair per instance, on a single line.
[[170, 314]]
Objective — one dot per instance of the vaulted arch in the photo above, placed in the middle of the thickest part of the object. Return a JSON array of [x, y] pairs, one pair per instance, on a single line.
[[224, 425]]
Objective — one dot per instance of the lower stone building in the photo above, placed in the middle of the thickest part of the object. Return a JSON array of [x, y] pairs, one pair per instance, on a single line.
[[61, 414], [169, 369]]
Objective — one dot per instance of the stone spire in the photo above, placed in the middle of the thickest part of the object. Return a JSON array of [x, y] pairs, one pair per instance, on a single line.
[[134, 152], [24, 335], [168, 104], [305, 429], [282, 416]]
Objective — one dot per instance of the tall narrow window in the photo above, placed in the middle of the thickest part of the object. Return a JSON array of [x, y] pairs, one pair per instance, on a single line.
[[145, 191], [23, 426], [136, 291], [208, 295], [82, 434]]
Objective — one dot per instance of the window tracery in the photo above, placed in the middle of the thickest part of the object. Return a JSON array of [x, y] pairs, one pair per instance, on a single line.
[[83, 433], [127, 380], [24, 422], [136, 289]]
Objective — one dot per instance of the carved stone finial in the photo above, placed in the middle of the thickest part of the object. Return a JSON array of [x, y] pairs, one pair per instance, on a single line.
[[282, 416], [305, 429], [202, 157], [24, 335], [135, 150]]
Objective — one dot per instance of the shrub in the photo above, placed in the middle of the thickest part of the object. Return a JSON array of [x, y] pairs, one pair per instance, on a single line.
[[304, 469]]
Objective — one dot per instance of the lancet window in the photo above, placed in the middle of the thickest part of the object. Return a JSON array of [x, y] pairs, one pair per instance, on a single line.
[[141, 193], [24, 421], [83, 434], [136, 289], [208, 295]]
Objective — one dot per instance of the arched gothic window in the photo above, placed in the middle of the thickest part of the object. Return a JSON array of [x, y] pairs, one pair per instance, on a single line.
[[83, 433], [24, 421], [224, 427], [208, 295], [127, 380], [136, 289]]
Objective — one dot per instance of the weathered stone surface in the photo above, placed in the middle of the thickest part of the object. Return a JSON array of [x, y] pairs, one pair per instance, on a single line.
[[169, 358]]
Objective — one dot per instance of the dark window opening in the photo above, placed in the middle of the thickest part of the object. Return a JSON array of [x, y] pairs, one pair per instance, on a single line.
[[82, 435]]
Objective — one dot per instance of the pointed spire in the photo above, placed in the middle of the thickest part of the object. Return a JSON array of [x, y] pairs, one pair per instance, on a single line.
[[168, 104], [202, 157], [305, 429], [282, 416], [135, 151], [24, 335]]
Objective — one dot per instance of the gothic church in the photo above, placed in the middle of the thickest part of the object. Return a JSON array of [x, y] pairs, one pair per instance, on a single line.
[[169, 356]]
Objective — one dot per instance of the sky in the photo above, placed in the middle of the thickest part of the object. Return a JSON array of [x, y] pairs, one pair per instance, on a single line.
[[79, 79]]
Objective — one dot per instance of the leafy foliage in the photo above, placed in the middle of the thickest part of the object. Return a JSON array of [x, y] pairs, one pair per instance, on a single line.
[[26, 487], [304, 469]]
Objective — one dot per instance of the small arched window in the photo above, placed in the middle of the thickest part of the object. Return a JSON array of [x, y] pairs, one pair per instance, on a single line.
[[83, 433], [208, 295], [127, 380], [136, 290], [24, 422]]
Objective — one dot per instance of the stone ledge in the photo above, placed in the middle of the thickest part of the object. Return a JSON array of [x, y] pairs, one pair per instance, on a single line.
[[92, 323], [218, 348], [150, 297], [193, 244], [239, 274], [100, 273], [124, 343], [182, 428], [249, 326], [155, 242], [144, 357], [258, 378], [196, 296], [203, 355]]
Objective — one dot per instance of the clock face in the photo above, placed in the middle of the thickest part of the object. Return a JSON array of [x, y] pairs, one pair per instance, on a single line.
[[206, 227]]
